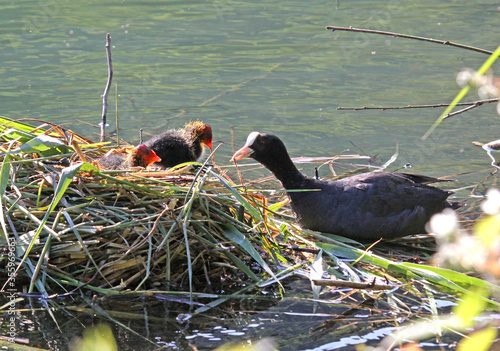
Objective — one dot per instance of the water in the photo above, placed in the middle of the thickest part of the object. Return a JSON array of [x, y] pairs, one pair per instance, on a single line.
[[266, 66], [295, 321], [256, 65]]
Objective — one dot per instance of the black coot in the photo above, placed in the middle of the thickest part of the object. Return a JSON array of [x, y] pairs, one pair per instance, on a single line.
[[367, 206]]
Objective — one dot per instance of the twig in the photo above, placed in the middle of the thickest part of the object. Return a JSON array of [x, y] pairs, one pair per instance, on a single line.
[[451, 114], [117, 119], [470, 107], [59, 128], [473, 103], [239, 174], [151, 232], [106, 90], [436, 41], [231, 128], [87, 123], [75, 145], [353, 285]]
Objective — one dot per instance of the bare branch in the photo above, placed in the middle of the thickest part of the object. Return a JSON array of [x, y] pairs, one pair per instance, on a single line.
[[473, 103], [353, 285], [477, 104], [391, 34], [106, 90]]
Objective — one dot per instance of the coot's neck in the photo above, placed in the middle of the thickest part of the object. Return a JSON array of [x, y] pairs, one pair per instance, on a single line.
[[196, 150], [284, 169]]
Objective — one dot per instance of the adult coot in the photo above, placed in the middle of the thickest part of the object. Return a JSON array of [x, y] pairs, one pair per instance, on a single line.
[[129, 156], [181, 145], [367, 206]]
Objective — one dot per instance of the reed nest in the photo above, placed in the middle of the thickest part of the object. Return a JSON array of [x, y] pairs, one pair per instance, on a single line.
[[76, 225]]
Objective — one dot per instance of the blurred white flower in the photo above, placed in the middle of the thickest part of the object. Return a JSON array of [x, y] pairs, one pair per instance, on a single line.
[[464, 77], [473, 254], [444, 225], [465, 254], [487, 91], [491, 205]]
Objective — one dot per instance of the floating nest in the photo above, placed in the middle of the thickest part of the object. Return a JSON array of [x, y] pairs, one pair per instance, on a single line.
[[74, 225]]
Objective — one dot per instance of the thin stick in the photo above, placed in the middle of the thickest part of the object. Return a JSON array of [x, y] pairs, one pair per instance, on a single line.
[[391, 34], [75, 145], [353, 285], [231, 127], [239, 174], [117, 120], [451, 114], [106, 90], [151, 232], [474, 103], [58, 127]]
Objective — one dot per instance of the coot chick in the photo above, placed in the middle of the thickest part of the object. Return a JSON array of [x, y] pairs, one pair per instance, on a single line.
[[366, 206], [183, 145], [127, 157]]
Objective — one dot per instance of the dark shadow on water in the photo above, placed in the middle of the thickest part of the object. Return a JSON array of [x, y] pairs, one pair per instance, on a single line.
[[338, 320]]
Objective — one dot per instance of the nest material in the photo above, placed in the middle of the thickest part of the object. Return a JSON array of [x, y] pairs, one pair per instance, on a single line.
[[122, 230]]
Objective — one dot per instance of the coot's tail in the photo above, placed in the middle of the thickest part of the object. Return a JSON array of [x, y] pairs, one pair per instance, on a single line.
[[455, 204]]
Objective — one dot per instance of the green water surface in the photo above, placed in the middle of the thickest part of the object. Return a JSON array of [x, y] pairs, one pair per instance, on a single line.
[[255, 65]]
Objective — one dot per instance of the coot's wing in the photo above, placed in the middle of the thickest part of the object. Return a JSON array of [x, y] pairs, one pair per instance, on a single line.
[[386, 194], [368, 206], [418, 178]]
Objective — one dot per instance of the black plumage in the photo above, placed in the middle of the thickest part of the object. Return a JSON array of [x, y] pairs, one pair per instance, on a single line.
[[183, 145], [366, 206]]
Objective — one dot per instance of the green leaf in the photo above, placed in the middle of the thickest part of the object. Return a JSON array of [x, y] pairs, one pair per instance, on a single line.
[[9, 123], [241, 265], [488, 230], [253, 211], [238, 238], [478, 341], [276, 206], [40, 144], [450, 279], [471, 306], [97, 338], [4, 180], [357, 254], [13, 134], [453, 276]]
